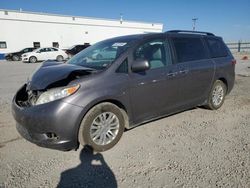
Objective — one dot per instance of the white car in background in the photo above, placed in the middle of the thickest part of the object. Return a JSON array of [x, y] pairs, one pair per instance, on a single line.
[[42, 54]]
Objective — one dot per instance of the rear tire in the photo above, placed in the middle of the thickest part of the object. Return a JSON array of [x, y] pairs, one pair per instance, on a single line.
[[102, 127], [217, 95], [59, 58], [32, 59]]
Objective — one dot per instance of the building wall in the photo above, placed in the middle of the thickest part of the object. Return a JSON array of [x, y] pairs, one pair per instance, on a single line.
[[21, 29]]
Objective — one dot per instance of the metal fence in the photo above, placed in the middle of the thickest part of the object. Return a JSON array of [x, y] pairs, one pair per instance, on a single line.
[[239, 46]]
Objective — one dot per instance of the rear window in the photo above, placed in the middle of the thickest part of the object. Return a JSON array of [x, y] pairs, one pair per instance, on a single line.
[[217, 48], [189, 49]]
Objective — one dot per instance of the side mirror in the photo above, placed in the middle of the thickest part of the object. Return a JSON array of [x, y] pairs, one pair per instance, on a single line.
[[38, 52], [140, 65]]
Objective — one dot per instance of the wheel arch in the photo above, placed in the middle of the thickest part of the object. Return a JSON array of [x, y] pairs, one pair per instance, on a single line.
[[224, 80], [33, 56], [113, 101]]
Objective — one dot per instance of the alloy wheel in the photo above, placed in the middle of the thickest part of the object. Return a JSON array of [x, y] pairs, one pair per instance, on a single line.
[[217, 95], [104, 128]]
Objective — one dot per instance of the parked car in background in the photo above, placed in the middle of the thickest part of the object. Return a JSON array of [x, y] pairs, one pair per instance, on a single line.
[[42, 54], [90, 101], [16, 56], [106, 53], [76, 49]]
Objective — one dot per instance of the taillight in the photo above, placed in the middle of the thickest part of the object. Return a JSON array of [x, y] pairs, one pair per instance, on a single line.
[[233, 62]]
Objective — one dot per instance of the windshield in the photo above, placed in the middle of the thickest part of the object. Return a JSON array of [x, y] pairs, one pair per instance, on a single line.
[[102, 54]]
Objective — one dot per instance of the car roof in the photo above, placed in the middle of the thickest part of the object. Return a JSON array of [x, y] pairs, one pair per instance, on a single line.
[[134, 37], [189, 33], [171, 32], [47, 47]]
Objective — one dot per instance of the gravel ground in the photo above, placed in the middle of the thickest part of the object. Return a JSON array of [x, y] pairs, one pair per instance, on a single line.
[[195, 148]]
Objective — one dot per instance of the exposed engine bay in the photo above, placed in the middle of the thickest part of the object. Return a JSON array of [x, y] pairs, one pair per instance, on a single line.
[[60, 75]]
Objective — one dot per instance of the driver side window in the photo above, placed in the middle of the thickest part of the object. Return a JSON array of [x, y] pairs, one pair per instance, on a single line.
[[154, 52]]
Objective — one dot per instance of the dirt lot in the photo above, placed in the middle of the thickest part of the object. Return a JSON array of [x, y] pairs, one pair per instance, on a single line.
[[196, 148]]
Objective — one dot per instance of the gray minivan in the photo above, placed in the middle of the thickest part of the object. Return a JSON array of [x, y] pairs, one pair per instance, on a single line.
[[120, 83]]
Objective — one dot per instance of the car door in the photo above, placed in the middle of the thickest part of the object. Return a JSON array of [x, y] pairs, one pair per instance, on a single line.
[[40, 54], [152, 92], [54, 53], [195, 69]]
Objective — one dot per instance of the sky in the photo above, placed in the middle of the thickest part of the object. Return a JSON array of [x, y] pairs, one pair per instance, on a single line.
[[227, 18]]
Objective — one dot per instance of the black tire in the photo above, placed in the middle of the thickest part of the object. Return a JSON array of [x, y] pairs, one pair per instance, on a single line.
[[84, 136], [211, 104], [59, 58], [15, 58], [32, 59]]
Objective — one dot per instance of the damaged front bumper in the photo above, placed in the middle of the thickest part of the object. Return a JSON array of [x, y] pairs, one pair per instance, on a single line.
[[52, 125]]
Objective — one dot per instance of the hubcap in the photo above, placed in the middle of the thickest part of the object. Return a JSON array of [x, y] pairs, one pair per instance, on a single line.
[[218, 94], [104, 128], [15, 58], [33, 59], [59, 58]]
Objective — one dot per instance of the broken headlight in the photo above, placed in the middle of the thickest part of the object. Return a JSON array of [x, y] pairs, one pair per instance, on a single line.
[[56, 93]]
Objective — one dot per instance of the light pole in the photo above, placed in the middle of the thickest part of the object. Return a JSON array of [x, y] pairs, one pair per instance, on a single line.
[[194, 23], [121, 18]]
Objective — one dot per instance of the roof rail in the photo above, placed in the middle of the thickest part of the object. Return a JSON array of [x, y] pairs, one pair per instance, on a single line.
[[194, 32]]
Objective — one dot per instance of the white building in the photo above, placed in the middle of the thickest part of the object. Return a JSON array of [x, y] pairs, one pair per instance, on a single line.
[[20, 29]]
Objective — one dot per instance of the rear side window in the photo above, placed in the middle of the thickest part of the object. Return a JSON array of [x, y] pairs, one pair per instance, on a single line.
[[217, 48], [189, 49]]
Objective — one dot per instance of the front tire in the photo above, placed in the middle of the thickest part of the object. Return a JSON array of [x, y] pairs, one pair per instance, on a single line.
[[102, 127], [217, 95], [32, 59], [15, 58]]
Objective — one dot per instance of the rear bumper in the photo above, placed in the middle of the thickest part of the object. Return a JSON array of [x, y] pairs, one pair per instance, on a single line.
[[37, 123]]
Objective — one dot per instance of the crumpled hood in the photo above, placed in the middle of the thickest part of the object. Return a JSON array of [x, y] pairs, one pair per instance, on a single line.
[[55, 74]]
